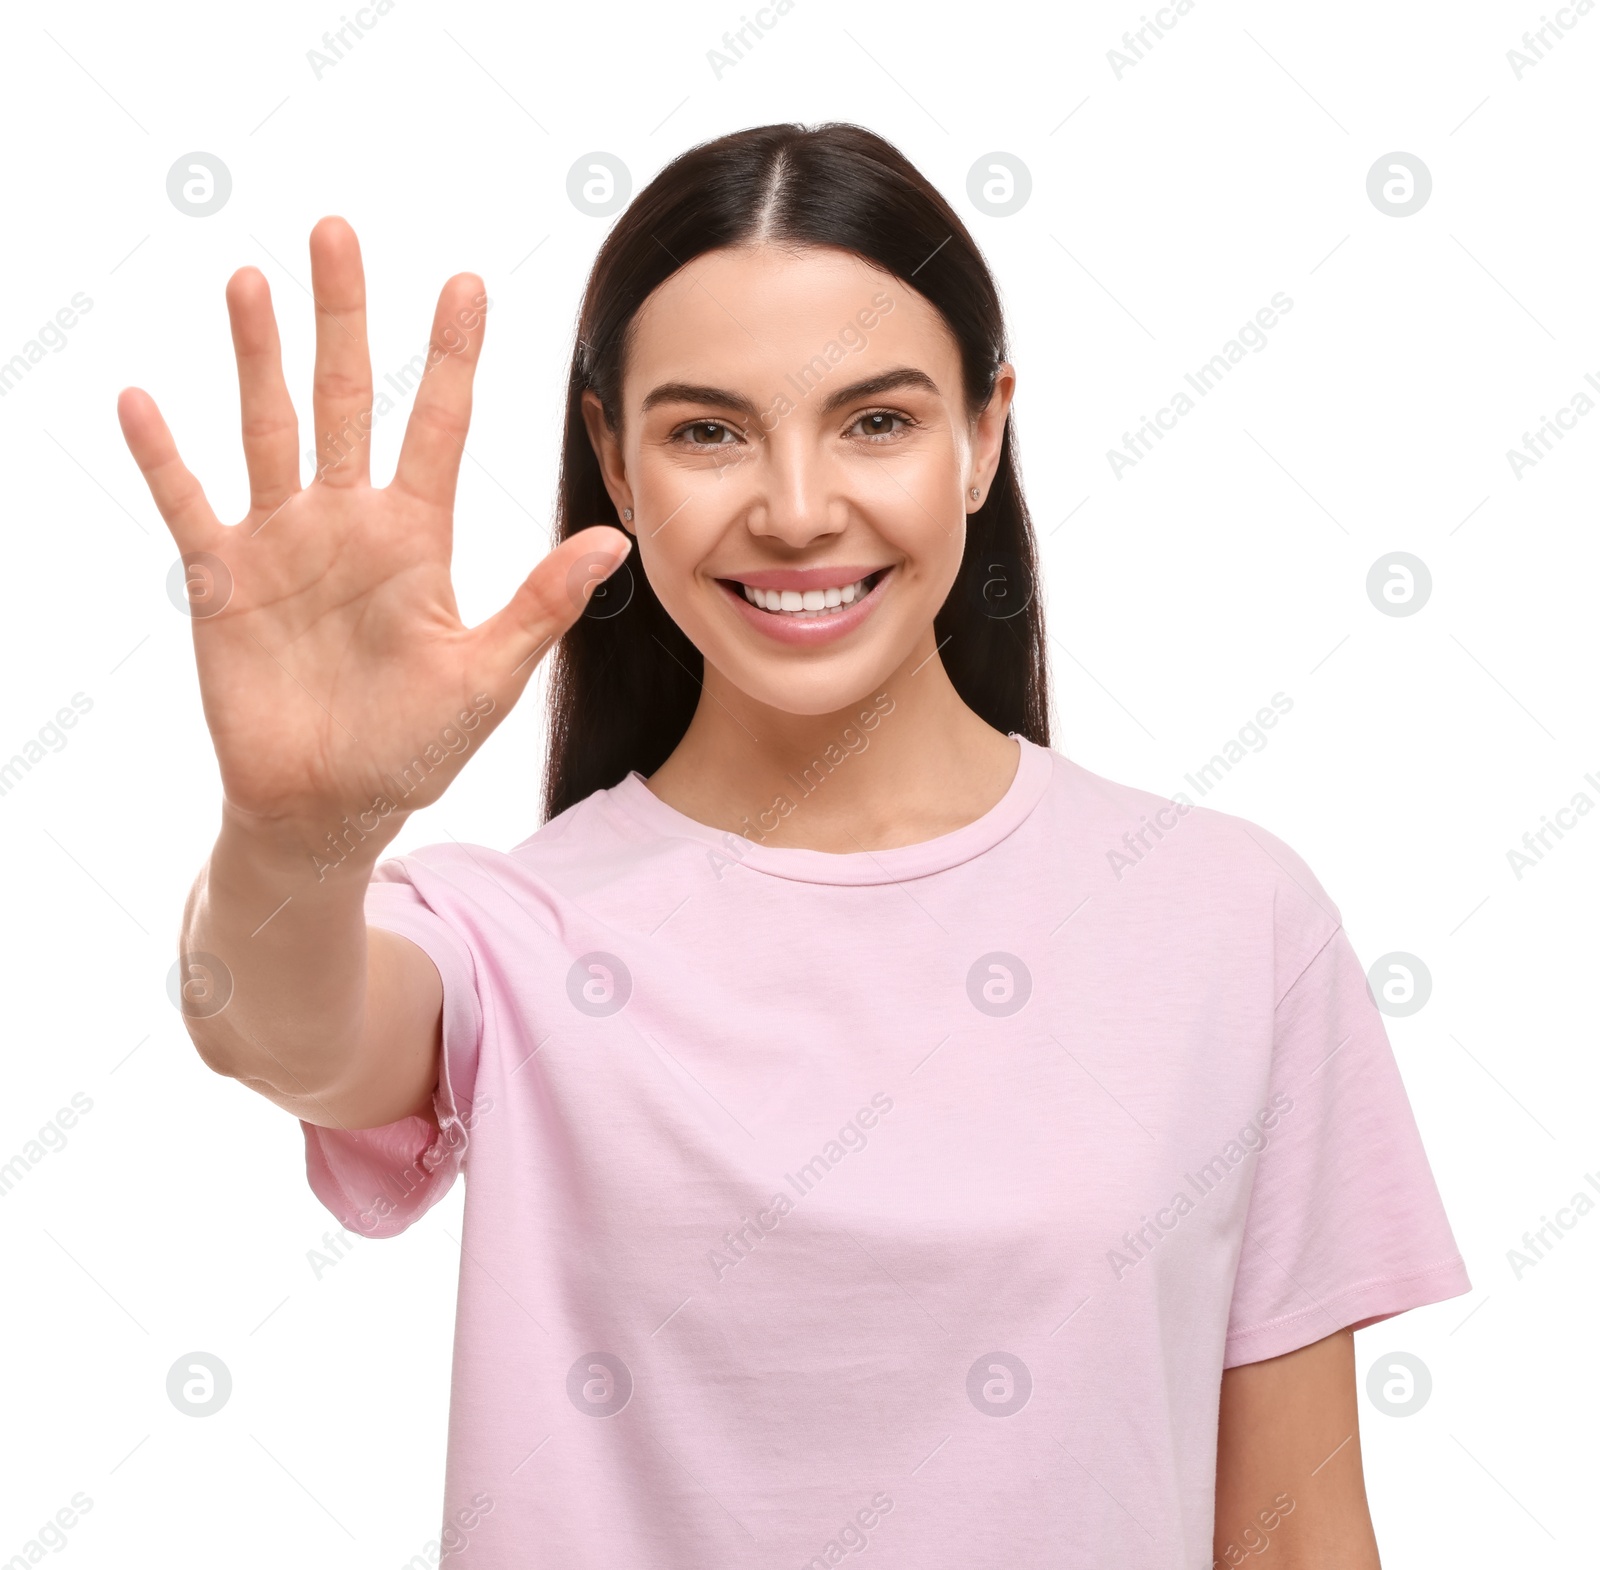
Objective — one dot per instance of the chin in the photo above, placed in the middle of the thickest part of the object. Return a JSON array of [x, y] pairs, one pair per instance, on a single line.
[[810, 693]]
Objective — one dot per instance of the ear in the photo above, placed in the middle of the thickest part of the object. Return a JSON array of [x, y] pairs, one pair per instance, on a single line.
[[988, 433], [608, 450]]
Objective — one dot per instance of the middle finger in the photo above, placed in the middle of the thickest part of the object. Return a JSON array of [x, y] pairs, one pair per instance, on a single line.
[[341, 388]]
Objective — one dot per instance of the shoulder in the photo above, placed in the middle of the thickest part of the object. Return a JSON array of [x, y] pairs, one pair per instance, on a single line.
[[575, 856], [1168, 857]]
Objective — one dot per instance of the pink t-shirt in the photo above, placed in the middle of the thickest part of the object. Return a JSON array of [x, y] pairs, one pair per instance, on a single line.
[[909, 1200]]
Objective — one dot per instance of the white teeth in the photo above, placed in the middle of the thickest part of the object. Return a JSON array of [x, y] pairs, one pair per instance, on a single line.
[[810, 602]]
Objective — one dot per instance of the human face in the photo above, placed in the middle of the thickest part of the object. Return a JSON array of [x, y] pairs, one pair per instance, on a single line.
[[793, 423]]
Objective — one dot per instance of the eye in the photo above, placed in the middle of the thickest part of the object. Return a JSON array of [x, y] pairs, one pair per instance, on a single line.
[[877, 426], [705, 433]]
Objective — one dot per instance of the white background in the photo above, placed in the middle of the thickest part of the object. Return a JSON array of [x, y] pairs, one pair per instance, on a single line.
[[1167, 207]]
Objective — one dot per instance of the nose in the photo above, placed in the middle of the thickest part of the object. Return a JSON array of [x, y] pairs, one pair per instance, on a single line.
[[796, 499]]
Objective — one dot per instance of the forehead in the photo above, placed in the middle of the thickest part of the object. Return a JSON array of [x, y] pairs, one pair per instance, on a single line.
[[758, 311]]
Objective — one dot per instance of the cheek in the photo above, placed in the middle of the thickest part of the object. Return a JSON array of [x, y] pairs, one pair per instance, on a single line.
[[704, 487], [681, 520], [918, 516]]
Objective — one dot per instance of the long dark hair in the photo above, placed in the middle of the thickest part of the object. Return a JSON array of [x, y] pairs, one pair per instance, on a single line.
[[624, 683]]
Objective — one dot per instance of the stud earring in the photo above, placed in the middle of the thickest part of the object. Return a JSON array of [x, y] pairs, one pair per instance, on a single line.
[[973, 493], [627, 515]]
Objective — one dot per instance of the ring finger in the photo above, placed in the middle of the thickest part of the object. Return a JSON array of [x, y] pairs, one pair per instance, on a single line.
[[266, 412]]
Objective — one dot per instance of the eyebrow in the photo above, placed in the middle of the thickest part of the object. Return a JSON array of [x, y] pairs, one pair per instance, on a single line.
[[868, 387], [692, 392], [886, 381]]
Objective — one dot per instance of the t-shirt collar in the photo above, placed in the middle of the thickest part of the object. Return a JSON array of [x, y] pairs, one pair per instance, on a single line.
[[1034, 766]]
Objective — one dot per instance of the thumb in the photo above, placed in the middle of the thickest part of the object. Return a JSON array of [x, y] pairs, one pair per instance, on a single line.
[[552, 597]]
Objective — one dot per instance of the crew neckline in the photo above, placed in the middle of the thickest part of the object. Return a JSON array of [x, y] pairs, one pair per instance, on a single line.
[[1034, 766]]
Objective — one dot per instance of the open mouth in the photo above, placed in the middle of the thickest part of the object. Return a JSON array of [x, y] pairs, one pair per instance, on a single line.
[[807, 604], [808, 607]]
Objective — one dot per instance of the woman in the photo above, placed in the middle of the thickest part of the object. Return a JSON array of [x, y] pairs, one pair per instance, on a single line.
[[882, 1131]]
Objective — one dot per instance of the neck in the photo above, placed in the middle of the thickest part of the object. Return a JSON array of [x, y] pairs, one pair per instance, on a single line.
[[906, 762]]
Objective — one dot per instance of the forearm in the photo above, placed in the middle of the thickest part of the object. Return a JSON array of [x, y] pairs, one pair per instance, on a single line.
[[293, 952]]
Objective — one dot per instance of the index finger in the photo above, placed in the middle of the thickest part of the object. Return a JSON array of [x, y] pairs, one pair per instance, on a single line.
[[436, 433]]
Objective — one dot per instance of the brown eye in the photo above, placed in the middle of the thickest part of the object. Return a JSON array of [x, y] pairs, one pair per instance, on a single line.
[[879, 424], [706, 433]]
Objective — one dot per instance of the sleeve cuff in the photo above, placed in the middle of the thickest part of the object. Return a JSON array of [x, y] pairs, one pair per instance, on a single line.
[[378, 1181], [1366, 1303]]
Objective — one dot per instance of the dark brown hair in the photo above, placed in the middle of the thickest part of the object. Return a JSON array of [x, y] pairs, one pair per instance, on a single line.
[[625, 682]]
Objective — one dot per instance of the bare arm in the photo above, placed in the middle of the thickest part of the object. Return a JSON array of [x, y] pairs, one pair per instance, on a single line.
[[332, 1020], [1290, 1490], [332, 663]]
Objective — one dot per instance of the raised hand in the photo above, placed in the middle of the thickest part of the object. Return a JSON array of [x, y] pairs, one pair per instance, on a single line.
[[334, 669]]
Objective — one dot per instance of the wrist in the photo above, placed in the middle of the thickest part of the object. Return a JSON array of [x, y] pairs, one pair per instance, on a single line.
[[318, 846]]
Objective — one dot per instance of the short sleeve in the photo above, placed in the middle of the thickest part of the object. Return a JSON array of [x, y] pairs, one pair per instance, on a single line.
[[378, 1181], [1345, 1225]]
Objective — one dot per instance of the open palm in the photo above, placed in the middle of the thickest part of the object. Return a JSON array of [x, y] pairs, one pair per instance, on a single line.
[[334, 668]]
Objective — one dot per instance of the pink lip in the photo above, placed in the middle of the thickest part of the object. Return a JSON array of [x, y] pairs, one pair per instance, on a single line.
[[803, 578], [808, 631]]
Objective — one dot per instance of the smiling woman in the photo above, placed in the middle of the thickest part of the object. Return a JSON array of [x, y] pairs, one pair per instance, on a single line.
[[905, 476], [674, 999]]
